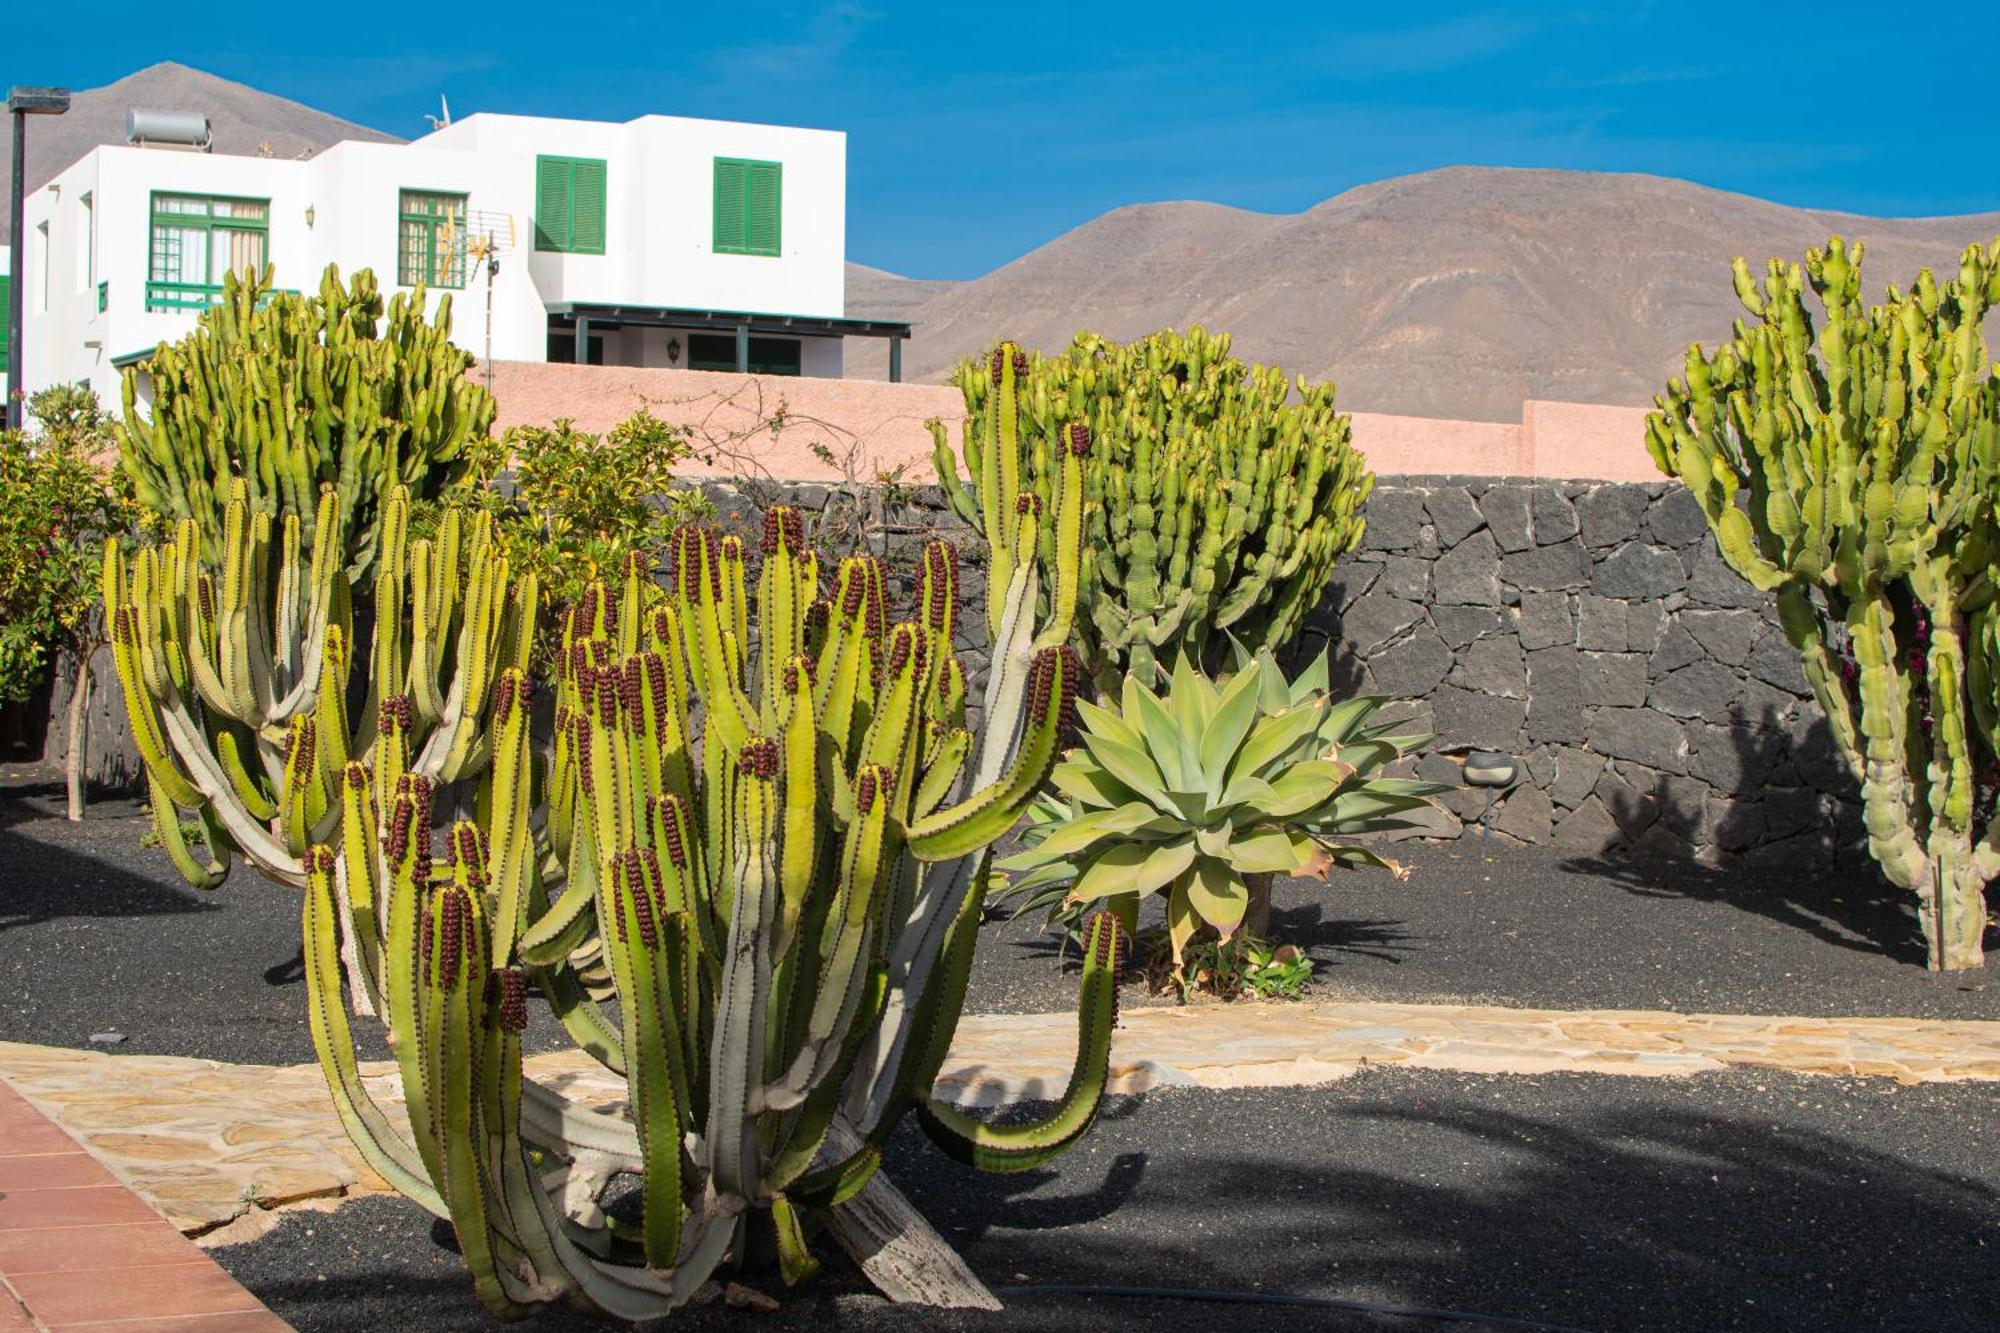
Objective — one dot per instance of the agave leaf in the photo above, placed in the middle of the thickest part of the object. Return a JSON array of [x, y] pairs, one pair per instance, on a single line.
[[1193, 698], [1367, 756], [1275, 737], [1089, 785], [1343, 721], [1131, 766], [1313, 680], [1168, 742], [1182, 919], [1131, 867], [1303, 787], [1103, 722], [1356, 811], [1271, 850], [1076, 834], [1229, 723], [1218, 895]]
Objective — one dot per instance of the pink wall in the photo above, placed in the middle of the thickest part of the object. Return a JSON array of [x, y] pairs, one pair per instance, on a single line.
[[875, 426]]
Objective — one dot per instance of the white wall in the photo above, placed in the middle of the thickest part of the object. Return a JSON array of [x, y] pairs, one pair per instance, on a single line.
[[658, 234]]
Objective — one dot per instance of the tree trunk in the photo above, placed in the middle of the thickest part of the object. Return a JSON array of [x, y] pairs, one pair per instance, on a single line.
[[79, 734], [895, 1247], [1952, 912], [1257, 914]]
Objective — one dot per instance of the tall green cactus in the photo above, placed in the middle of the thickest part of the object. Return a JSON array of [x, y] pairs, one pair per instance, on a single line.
[[291, 394], [1850, 468], [1212, 501], [746, 873]]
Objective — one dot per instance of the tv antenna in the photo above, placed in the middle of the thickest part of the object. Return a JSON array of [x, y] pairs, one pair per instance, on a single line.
[[442, 121], [481, 239]]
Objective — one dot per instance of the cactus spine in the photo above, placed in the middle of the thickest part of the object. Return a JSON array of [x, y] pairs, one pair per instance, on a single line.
[[1211, 502], [289, 394], [746, 873], [1850, 468]]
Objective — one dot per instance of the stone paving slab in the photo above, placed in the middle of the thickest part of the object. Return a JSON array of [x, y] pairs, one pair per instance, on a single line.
[[219, 1149]]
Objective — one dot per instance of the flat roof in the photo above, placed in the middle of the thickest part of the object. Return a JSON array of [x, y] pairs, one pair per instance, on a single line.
[[674, 317]]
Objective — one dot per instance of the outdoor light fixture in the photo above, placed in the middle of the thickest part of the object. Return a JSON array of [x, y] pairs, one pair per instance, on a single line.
[[1493, 771], [22, 103], [673, 351], [309, 215]]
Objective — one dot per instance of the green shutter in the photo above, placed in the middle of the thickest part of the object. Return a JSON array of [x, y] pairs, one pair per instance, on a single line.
[[587, 207], [552, 203], [749, 202], [569, 205], [761, 235], [729, 195]]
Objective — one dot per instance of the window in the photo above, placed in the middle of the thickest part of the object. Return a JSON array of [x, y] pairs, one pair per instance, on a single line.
[[562, 348], [569, 205], [196, 239], [768, 356], [86, 252], [430, 239], [749, 198]]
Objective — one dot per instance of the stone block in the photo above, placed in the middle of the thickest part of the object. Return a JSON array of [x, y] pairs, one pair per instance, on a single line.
[[1675, 519], [1546, 568], [1676, 649], [1600, 623], [1766, 705], [1505, 509], [1577, 771], [1735, 760], [1629, 797], [1662, 842], [1406, 576], [1554, 515], [1377, 620], [1411, 668], [1725, 635], [1816, 755], [1711, 582], [1636, 571], [1775, 661], [1351, 580], [1555, 708], [1487, 722], [1494, 666], [1702, 689], [1638, 734], [1468, 574], [1544, 620], [1525, 814], [1645, 623], [1616, 680], [1609, 514], [1461, 625], [1395, 519], [1684, 807], [1789, 810], [1588, 828], [1453, 513], [1735, 825]]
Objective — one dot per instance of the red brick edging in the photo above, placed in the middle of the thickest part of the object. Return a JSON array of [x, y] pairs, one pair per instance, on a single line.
[[78, 1250]]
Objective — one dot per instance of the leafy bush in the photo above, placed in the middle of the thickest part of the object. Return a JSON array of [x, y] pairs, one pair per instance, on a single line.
[[573, 506], [1217, 495], [1206, 794]]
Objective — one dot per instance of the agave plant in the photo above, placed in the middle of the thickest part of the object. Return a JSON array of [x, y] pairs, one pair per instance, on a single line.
[[1206, 794]]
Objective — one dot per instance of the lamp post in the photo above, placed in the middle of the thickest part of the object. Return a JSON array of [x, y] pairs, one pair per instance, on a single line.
[[22, 103]]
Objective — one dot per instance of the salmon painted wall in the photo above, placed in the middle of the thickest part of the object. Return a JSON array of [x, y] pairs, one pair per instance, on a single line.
[[874, 427]]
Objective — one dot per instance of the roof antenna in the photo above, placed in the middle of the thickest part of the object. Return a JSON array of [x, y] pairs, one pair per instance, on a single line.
[[443, 121]]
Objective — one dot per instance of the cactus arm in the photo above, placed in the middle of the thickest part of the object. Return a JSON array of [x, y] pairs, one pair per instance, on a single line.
[[1022, 1147], [385, 1150], [201, 873], [736, 1056]]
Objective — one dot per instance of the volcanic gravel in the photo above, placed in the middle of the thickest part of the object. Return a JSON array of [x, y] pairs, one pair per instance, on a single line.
[[1739, 1201]]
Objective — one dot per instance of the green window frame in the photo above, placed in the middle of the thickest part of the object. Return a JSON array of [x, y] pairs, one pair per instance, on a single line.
[[749, 206], [195, 239], [569, 204], [430, 239]]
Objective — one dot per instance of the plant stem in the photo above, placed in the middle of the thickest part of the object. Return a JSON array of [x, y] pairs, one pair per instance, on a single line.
[[79, 730]]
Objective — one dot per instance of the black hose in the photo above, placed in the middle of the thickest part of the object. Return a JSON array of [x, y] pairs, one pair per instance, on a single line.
[[1287, 1299]]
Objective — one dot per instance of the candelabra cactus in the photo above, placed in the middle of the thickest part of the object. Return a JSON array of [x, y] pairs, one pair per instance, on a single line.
[[288, 394], [751, 888], [1212, 502], [1850, 468]]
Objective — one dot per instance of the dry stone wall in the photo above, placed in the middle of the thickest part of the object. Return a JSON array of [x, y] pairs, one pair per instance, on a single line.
[[1592, 631]]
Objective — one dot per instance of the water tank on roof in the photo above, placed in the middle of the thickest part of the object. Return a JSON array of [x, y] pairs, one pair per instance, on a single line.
[[188, 129]]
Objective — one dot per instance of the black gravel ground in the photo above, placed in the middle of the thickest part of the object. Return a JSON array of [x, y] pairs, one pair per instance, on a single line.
[[1729, 1201], [97, 933]]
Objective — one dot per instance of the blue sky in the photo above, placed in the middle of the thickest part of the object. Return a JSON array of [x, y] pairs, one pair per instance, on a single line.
[[978, 130]]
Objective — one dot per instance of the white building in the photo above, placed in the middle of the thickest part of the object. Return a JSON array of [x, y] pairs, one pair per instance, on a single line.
[[663, 241]]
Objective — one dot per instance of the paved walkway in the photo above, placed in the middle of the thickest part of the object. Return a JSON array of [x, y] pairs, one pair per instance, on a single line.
[[218, 1148], [80, 1251]]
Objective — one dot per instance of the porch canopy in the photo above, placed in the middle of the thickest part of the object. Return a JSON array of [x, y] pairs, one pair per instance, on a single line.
[[584, 315]]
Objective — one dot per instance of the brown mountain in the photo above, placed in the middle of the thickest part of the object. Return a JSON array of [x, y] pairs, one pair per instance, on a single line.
[[1455, 293], [243, 121]]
